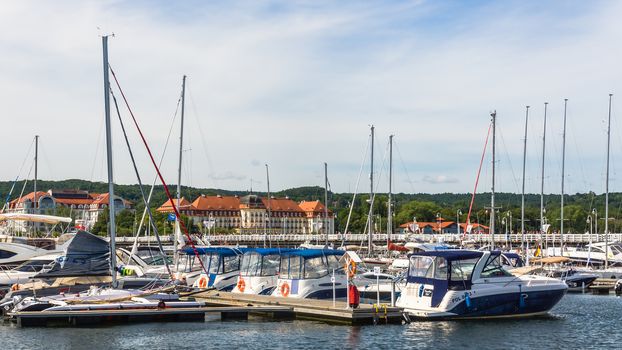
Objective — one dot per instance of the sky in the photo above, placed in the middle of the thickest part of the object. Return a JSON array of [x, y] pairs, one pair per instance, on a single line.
[[294, 84]]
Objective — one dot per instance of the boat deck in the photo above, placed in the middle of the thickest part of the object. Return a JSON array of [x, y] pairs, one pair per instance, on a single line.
[[310, 309]]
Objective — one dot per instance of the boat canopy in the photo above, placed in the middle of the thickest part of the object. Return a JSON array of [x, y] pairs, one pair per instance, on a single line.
[[314, 253], [46, 219], [269, 251], [451, 255], [86, 255], [224, 251], [262, 261]]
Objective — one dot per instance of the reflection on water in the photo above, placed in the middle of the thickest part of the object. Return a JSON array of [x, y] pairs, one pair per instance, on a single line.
[[579, 321]]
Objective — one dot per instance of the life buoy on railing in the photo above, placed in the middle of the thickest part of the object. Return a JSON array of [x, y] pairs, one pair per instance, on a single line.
[[203, 282], [285, 289], [350, 268], [241, 285]]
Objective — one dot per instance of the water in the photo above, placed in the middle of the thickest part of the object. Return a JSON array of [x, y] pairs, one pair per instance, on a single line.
[[577, 322]]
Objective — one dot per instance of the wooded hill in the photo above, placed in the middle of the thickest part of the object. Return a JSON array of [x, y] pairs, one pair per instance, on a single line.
[[406, 206]]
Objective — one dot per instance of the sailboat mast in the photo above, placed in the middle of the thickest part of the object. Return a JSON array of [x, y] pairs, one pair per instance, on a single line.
[[542, 183], [326, 202], [522, 205], [371, 195], [390, 204], [492, 196], [561, 225], [35, 206], [178, 237], [269, 218], [111, 211], [607, 189]]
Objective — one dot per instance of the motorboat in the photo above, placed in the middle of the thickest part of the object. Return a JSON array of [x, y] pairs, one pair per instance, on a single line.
[[592, 254], [222, 265], [556, 267], [23, 272], [259, 271], [310, 274], [473, 284]]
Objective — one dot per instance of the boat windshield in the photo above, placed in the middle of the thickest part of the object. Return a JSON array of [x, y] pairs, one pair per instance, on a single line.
[[270, 265], [428, 267], [251, 264], [32, 266], [291, 267], [315, 267], [494, 268], [212, 263], [461, 270], [231, 263]]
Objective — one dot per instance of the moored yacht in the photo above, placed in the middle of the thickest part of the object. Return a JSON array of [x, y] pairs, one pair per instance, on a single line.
[[308, 274], [221, 263], [473, 284], [259, 271]]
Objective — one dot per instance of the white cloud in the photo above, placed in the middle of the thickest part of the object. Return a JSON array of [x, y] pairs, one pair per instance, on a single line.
[[294, 85]]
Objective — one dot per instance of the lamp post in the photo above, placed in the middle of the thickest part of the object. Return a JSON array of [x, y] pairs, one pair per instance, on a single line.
[[438, 219], [458, 213], [595, 212]]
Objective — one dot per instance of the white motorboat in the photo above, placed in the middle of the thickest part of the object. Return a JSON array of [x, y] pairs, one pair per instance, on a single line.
[[309, 274], [25, 271], [259, 271], [473, 284], [221, 263]]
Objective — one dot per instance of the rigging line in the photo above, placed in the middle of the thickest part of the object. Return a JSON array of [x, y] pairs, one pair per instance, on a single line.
[[8, 196], [21, 194], [210, 163], [155, 179], [481, 162], [356, 188], [507, 155], [166, 189], [140, 185], [98, 143], [410, 182]]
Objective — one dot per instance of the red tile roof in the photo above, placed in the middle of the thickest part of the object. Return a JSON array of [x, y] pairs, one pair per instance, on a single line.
[[216, 203], [168, 207], [281, 204]]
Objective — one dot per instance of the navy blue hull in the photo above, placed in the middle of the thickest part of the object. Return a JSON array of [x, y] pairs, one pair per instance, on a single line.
[[327, 294], [508, 305]]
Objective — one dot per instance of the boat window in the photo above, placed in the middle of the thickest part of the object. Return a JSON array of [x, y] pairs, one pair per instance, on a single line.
[[440, 271], [212, 263], [290, 267], [493, 268], [5, 254], [420, 265], [231, 263], [315, 267], [461, 270], [270, 265], [251, 264], [333, 263]]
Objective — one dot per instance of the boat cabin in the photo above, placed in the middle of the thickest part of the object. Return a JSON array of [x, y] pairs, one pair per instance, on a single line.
[[452, 270], [221, 263]]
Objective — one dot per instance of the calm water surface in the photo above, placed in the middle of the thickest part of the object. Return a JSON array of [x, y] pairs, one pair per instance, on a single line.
[[578, 322]]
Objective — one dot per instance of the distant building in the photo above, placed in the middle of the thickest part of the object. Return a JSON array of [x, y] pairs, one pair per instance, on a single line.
[[439, 227], [84, 206], [253, 214]]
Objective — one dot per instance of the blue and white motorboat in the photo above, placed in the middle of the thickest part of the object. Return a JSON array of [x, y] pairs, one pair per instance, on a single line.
[[259, 271], [221, 263], [308, 274], [473, 284]]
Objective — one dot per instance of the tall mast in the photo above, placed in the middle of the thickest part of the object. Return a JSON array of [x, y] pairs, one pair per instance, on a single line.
[[390, 204], [35, 206], [326, 202], [561, 225], [607, 189], [371, 195], [492, 196], [522, 206], [111, 211], [542, 183], [269, 219], [178, 237]]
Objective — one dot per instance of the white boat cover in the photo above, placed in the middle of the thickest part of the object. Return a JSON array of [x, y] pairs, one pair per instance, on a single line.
[[46, 219]]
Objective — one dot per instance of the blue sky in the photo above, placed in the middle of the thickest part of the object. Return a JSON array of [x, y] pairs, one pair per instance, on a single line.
[[296, 83]]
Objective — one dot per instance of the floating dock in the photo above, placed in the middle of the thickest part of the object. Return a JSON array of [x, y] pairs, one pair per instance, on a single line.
[[602, 286], [310, 309], [96, 317]]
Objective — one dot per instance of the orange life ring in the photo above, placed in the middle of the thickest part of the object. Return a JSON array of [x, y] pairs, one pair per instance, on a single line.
[[350, 268], [241, 285], [203, 282], [285, 289]]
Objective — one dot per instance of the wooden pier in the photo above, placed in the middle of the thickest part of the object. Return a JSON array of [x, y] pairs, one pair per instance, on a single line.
[[602, 286], [96, 317], [310, 309]]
